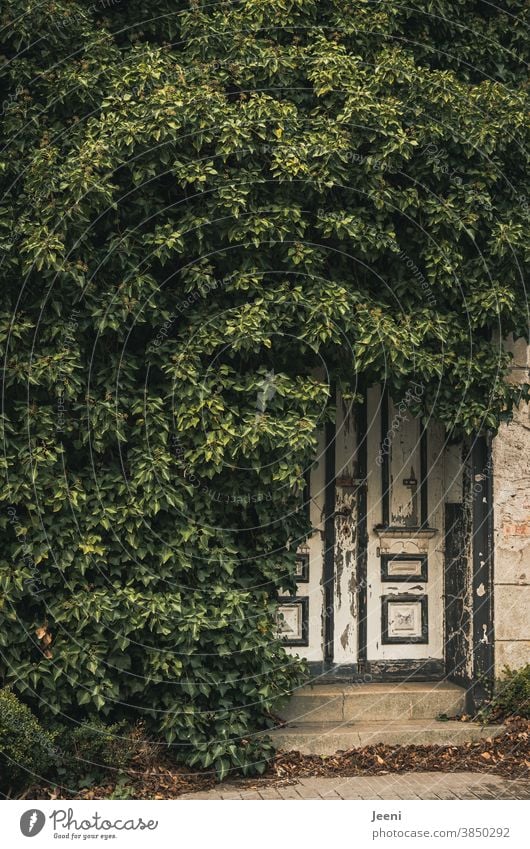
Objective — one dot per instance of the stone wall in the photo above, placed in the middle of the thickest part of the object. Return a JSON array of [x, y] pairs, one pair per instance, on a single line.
[[511, 498]]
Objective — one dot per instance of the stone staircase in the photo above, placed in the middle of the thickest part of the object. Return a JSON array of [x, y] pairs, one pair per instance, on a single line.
[[326, 718]]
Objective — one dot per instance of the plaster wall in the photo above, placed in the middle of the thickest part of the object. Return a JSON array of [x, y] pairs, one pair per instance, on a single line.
[[511, 494]]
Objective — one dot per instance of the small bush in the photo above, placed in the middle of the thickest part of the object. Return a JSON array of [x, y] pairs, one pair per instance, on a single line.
[[26, 749], [95, 751], [512, 694]]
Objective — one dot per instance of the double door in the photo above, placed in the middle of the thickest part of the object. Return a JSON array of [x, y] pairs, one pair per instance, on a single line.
[[371, 588]]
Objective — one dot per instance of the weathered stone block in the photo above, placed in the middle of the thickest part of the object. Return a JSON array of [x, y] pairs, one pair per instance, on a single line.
[[512, 567], [511, 653], [512, 605]]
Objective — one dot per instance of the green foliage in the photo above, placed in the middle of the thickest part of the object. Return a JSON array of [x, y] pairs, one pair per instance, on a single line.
[[122, 790], [512, 694], [93, 752], [26, 750], [191, 204]]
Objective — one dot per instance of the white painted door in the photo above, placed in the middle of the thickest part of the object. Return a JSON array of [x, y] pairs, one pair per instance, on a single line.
[[397, 581], [404, 594]]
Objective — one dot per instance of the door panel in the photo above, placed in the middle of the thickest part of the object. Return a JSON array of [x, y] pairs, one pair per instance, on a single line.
[[301, 616], [346, 489], [405, 561], [403, 442]]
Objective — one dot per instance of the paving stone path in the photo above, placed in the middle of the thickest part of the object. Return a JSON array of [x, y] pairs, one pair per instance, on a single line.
[[412, 785]]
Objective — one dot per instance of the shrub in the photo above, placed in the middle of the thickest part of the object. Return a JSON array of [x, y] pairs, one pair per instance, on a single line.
[[511, 696], [26, 749], [512, 693], [94, 751]]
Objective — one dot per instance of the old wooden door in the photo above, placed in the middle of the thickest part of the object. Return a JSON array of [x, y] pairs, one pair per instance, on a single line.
[[370, 592]]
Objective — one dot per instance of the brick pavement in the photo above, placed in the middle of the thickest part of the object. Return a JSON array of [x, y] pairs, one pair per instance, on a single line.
[[412, 785]]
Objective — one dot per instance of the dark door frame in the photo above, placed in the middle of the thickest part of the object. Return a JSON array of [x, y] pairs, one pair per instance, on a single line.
[[480, 628], [482, 575]]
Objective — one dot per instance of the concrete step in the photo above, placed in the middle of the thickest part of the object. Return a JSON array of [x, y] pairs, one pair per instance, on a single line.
[[326, 738], [374, 702]]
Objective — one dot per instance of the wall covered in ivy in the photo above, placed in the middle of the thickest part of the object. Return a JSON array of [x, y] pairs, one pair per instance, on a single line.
[[211, 213]]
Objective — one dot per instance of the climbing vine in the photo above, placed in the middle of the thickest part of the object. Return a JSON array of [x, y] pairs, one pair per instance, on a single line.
[[211, 213]]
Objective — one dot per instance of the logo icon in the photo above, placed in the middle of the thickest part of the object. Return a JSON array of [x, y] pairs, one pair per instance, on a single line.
[[32, 822]]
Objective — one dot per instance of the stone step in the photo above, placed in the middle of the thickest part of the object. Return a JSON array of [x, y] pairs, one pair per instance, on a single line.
[[374, 702], [327, 738]]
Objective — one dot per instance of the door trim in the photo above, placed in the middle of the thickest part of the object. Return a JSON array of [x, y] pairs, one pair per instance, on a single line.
[[361, 576], [482, 581], [425, 669], [329, 542]]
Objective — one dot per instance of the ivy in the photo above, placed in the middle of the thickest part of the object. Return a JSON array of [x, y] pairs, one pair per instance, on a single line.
[[207, 209]]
